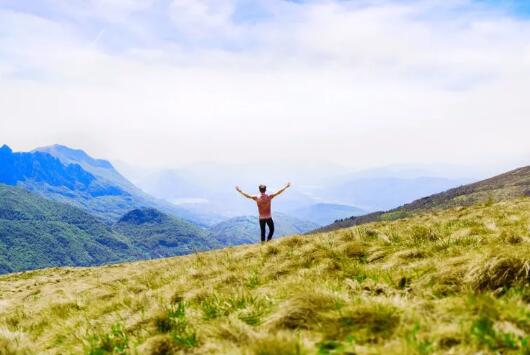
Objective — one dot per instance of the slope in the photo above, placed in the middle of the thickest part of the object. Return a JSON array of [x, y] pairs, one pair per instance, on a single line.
[[37, 233], [450, 281], [506, 186]]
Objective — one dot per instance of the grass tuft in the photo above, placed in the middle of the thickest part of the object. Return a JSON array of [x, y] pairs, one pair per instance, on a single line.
[[500, 271]]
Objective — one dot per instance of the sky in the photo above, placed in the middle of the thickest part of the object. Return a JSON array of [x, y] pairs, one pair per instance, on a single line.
[[359, 83]]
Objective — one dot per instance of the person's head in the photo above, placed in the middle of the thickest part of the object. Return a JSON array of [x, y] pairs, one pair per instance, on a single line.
[[262, 188]]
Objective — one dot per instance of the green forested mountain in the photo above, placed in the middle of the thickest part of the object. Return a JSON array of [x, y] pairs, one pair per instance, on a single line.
[[156, 234], [36, 232]]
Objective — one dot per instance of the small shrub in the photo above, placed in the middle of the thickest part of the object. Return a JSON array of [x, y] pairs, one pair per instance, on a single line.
[[370, 233], [484, 333], [252, 317], [447, 342], [348, 235], [420, 346], [117, 341], [354, 250], [272, 250], [501, 271], [303, 311], [253, 280], [511, 238], [422, 234], [160, 345], [294, 241], [176, 298], [211, 308], [173, 322], [166, 320], [337, 347], [404, 282], [367, 322]]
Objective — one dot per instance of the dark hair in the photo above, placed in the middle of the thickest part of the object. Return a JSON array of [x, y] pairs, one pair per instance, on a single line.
[[262, 188]]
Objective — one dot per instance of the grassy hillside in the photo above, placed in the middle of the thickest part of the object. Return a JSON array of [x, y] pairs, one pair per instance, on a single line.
[[449, 281], [246, 230], [36, 233], [513, 184]]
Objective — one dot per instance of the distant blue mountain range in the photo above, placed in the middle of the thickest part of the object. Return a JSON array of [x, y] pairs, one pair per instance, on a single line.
[[41, 168], [72, 176], [326, 213]]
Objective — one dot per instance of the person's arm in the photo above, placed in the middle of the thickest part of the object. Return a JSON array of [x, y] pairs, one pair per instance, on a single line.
[[281, 190], [245, 194]]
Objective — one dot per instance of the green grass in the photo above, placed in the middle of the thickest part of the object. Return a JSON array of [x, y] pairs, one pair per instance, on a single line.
[[449, 281]]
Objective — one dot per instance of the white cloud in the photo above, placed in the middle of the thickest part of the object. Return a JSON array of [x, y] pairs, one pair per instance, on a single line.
[[110, 10], [363, 86], [202, 17]]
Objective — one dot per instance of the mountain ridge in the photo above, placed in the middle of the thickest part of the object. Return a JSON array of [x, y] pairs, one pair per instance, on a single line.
[[36, 232], [57, 172], [324, 213], [157, 234], [514, 183]]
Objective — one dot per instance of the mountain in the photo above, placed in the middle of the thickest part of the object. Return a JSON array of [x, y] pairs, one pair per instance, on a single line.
[[452, 281], [100, 168], [326, 213], [157, 234], [37, 233], [72, 176], [209, 187], [245, 229], [513, 184], [45, 169], [373, 193]]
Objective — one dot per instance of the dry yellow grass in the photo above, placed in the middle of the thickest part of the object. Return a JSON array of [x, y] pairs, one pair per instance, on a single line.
[[452, 281]]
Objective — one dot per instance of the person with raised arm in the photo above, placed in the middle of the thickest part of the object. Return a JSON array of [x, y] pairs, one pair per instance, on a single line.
[[263, 200]]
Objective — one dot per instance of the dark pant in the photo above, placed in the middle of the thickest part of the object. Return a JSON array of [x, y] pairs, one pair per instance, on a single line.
[[270, 223]]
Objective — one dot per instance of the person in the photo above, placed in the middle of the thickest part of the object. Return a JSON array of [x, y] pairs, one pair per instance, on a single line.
[[264, 208]]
